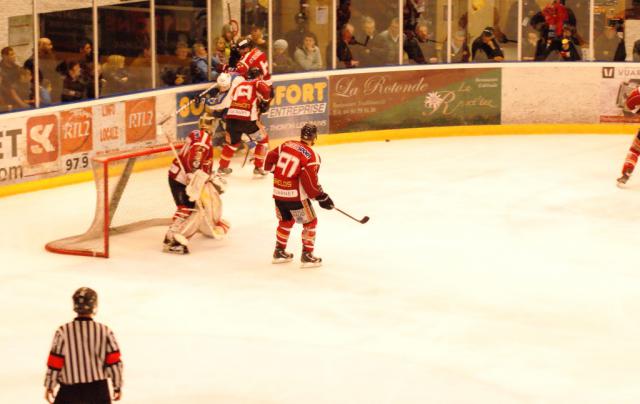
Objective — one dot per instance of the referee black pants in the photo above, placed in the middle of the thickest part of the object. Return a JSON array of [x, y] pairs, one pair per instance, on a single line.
[[84, 393]]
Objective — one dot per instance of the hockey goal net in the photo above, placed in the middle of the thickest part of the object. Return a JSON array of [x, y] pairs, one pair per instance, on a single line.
[[127, 200]]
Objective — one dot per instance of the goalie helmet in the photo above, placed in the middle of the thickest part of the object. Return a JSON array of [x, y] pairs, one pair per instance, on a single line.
[[224, 81], [206, 122], [85, 301], [309, 132]]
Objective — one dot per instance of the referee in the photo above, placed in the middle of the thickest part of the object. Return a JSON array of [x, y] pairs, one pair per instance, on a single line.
[[83, 355]]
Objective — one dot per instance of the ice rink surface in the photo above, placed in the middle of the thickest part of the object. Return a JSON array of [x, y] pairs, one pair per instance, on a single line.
[[493, 270]]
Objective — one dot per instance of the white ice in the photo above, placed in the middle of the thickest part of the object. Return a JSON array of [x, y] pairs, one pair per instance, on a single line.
[[494, 270]]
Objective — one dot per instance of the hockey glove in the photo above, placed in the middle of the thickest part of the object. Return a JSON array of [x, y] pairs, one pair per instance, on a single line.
[[325, 201]]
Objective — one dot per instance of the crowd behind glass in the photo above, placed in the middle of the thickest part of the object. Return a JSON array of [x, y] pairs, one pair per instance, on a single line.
[[194, 39]]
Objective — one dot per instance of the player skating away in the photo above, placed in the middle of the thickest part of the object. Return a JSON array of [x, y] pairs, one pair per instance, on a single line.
[[196, 194], [295, 168], [633, 104], [247, 99]]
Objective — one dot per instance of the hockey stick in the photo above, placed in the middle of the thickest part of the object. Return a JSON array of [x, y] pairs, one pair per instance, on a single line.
[[361, 221], [187, 105]]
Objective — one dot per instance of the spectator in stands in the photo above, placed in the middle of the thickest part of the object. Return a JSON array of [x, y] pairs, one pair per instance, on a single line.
[[140, 70], [295, 37], [9, 68], [308, 56], [15, 92], [229, 40], [199, 64], [178, 71], [73, 88], [363, 41], [420, 48], [220, 56], [282, 62], [85, 57], [167, 37], [485, 48], [257, 37], [411, 15], [609, 46], [385, 45], [48, 67], [460, 52], [5, 105], [115, 75], [530, 45], [343, 49], [343, 14]]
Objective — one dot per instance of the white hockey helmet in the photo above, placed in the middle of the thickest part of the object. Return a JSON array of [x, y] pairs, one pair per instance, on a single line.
[[223, 81]]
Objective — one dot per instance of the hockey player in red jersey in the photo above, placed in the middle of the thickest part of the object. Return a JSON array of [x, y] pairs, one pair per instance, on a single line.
[[295, 168], [190, 183], [252, 57], [633, 104], [247, 99]]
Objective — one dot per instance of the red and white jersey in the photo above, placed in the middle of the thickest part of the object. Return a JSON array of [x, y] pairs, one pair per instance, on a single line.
[[254, 58], [633, 100], [245, 97], [197, 153], [295, 167]]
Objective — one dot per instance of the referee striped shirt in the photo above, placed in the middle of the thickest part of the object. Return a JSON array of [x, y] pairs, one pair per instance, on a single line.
[[83, 351]]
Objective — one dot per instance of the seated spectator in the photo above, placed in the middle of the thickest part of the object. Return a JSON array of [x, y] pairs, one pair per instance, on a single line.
[[282, 62], [229, 39], [384, 47], [115, 76], [459, 48], [140, 70], [73, 88], [178, 71], [361, 48], [199, 65], [308, 56], [295, 37], [485, 48], [9, 68], [530, 45], [609, 46], [257, 37], [15, 93], [420, 48], [343, 49], [219, 56], [5, 106]]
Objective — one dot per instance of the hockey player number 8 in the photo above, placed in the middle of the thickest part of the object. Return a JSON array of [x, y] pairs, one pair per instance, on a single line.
[[284, 161]]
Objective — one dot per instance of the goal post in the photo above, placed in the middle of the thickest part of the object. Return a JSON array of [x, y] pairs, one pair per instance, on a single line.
[[122, 205]]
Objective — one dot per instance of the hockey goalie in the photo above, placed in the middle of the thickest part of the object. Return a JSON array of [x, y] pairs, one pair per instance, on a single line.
[[195, 191]]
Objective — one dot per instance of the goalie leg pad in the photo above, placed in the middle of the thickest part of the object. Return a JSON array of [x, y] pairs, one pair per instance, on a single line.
[[212, 213], [185, 225]]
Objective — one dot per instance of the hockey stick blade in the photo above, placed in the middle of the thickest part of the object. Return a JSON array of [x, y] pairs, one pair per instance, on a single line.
[[361, 221]]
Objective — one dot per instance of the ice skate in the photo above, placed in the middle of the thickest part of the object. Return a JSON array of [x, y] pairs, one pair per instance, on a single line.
[[224, 170], [174, 247], [259, 172], [281, 256], [623, 180], [309, 260]]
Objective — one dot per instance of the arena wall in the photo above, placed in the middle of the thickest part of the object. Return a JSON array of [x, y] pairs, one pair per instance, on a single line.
[[53, 146]]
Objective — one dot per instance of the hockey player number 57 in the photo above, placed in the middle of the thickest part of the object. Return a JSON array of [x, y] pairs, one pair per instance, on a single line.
[[288, 160]]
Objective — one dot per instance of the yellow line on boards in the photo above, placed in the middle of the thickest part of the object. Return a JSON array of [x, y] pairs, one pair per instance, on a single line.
[[366, 136]]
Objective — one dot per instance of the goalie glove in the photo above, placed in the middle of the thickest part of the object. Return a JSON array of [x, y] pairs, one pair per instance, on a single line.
[[325, 201], [195, 184]]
